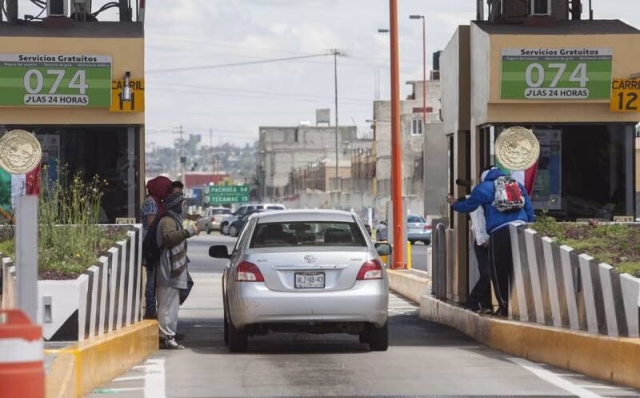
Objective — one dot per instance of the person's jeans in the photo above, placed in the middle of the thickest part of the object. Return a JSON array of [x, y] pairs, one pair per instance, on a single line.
[[481, 293], [150, 293]]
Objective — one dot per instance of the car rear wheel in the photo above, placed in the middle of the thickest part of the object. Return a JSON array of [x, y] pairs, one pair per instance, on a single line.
[[364, 338], [413, 242], [224, 228], [208, 230], [379, 338], [238, 339]]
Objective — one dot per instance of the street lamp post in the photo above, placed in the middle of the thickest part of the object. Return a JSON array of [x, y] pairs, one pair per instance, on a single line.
[[424, 67], [396, 141]]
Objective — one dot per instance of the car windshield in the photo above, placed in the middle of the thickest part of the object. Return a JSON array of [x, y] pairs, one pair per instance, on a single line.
[[416, 219], [307, 233]]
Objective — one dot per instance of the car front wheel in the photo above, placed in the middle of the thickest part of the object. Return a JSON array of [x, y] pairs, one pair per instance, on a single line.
[[233, 231], [379, 338]]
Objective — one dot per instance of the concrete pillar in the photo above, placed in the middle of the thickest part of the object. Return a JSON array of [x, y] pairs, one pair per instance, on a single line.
[[460, 253]]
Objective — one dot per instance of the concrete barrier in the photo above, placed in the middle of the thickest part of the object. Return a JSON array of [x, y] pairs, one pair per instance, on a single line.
[[411, 284], [615, 360], [96, 361]]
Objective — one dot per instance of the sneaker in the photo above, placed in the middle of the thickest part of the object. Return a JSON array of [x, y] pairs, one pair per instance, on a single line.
[[170, 344], [485, 311]]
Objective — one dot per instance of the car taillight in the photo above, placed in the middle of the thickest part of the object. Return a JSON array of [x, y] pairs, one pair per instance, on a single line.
[[249, 272], [370, 270], [427, 227], [213, 219]]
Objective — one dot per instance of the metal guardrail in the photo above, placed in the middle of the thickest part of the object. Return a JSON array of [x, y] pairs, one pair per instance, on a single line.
[[439, 261]]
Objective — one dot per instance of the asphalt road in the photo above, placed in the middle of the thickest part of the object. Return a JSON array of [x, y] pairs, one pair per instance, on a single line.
[[424, 359], [419, 256]]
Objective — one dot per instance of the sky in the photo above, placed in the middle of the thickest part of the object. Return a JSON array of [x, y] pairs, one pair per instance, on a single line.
[[234, 101]]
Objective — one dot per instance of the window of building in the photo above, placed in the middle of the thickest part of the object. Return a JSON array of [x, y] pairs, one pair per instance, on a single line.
[[416, 126], [541, 7]]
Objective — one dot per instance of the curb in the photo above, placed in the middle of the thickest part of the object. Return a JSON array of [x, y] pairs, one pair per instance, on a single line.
[[78, 370], [615, 360], [411, 284]]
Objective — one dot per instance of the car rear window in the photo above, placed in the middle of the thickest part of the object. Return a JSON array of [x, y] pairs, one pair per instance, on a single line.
[[221, 211], [307, 233], [275, 208], [416, 219]]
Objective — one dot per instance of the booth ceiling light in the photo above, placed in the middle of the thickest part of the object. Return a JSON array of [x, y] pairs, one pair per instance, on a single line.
[[126, 90]]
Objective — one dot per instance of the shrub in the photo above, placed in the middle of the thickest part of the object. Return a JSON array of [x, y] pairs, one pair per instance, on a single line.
[[615, 244], [70, 238]]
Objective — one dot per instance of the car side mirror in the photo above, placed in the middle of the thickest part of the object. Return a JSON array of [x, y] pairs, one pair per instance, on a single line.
[[219, 251], [383, 249]]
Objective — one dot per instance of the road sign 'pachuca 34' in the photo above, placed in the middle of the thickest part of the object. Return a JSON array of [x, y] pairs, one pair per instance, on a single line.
[[227, 194]]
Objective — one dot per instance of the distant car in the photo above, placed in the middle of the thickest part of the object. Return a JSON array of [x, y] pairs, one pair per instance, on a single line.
[[237, 224], [212, 218], [418, 230], [242, 210], [313, 271]]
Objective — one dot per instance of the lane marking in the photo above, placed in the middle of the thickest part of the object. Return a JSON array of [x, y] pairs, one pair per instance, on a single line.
[[554, 379], [115, 390], [128, 378], [154, 381]]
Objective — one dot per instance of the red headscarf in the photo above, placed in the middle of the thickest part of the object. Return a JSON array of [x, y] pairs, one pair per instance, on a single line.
[[159, 189]]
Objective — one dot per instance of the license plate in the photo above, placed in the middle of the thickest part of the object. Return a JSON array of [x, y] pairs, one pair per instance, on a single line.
[[309, 280]]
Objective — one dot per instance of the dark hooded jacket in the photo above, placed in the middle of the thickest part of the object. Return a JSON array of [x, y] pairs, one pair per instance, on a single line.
[[484, 194]]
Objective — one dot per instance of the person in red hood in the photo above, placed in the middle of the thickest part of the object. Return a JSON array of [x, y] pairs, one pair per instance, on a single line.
[[158, 189]]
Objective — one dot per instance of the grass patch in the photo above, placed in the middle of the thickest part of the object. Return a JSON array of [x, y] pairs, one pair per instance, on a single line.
[[69, 239], [614, 244]]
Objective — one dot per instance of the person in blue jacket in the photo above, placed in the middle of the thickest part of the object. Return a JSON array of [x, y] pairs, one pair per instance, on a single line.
[[497, 225]]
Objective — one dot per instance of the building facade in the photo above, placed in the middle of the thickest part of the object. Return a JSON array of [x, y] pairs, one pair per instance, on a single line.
[[63, 81], [556, 76], [286, 152], [416, 132]]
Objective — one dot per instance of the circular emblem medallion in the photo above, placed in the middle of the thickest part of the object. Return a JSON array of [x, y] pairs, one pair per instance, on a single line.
[[20, 152], [517, 148]]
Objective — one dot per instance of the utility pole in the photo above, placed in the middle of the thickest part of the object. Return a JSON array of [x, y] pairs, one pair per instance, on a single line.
[[396, 142], [213, 161], [183, 157], [335, 72]]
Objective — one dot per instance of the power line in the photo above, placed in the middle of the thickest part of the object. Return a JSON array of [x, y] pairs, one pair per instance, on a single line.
[[205, 44], [264, 61], [152, 86]]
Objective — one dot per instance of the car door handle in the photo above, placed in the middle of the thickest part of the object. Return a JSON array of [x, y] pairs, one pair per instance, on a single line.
[[308, 267]]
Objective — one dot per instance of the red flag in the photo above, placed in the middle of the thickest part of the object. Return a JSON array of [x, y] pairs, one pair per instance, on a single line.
[[33, 182], [530, 178]]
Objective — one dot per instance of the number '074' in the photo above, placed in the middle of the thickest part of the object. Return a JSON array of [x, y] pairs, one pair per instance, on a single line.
[[535, 74], [34, 81]]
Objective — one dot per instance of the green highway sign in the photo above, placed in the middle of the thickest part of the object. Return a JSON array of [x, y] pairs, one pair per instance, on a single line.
[[226, 194], [556, 73], [55, 80]]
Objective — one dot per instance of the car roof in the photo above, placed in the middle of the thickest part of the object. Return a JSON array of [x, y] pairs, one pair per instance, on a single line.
[[304, 215]]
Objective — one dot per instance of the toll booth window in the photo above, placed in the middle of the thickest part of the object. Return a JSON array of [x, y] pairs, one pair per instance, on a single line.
[[110, 153]]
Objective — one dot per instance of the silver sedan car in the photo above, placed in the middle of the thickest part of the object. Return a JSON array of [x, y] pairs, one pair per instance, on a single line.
[[313, 271]]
